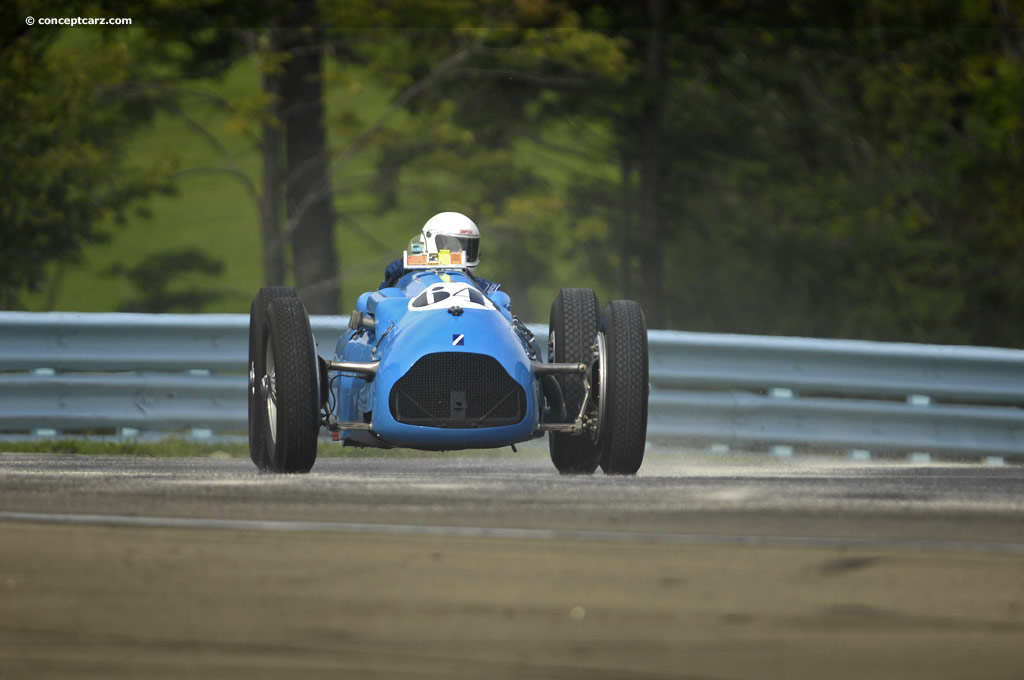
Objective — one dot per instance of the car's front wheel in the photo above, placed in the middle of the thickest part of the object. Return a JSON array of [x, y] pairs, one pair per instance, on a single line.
[[258, 448], [575, 316], [285, 413], [626, 390]]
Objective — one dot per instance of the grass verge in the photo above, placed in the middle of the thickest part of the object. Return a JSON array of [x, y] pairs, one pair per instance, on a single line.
[[168, 447], [177, 447]]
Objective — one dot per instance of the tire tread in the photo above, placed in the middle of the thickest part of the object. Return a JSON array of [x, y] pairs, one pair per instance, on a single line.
[[298, 390], [624, 436], [259, 449], [575, 318]]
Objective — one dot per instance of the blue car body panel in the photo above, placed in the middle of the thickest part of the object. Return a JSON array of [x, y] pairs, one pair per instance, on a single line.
[[432, 312]]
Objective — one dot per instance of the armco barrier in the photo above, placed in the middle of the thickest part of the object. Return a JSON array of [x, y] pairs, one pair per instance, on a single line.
[[75, 372]]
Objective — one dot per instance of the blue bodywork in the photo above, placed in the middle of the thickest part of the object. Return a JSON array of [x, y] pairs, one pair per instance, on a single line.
[[432, 312]]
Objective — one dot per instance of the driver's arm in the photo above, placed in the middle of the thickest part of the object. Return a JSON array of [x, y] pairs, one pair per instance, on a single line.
[[394, 271]]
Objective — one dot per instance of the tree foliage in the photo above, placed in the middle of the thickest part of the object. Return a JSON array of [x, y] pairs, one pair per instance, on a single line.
[[836, 169], [65, 110], [163, 285]]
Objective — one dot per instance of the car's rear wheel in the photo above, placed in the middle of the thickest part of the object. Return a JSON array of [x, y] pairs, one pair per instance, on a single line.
[[624, 422], [286, 396], [575, 317], [258, 449]]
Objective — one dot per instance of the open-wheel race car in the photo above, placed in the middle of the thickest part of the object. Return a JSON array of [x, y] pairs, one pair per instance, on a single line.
[[433, 362]]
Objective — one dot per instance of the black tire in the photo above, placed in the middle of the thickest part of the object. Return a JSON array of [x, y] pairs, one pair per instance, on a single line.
[[258, 448], [624, 426], [575, 317], [291, 401]]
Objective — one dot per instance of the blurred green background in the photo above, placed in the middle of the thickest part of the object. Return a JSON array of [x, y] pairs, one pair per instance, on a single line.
[[829, 169]]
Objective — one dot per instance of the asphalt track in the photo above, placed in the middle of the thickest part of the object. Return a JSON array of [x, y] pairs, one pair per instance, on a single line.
[[496, 567]]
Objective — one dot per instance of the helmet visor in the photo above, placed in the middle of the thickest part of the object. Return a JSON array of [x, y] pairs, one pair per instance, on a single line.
[[470, 246]]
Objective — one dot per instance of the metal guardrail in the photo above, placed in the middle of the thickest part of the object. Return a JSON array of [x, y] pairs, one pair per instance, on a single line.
[[840, 394], [75, 372]]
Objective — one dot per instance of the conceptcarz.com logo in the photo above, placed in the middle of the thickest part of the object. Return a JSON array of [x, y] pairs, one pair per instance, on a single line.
[[79, 21]]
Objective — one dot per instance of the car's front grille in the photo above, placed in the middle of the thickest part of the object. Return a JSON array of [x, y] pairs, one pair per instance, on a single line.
[[457, 390]]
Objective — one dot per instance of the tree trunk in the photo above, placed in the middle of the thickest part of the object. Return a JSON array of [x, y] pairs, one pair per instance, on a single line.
[[651, 169], [273, 173], [631, 253], [307, 191]]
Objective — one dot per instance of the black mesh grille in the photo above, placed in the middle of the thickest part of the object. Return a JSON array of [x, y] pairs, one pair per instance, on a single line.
[[457, 390]]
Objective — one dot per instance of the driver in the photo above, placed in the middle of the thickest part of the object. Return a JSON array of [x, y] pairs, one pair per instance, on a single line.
[[444, 227]]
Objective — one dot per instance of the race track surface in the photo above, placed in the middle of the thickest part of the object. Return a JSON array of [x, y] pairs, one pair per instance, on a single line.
[[497, 567]]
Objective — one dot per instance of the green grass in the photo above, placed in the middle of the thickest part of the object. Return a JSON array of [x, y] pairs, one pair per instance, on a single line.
[[176, 447], [170, 447]]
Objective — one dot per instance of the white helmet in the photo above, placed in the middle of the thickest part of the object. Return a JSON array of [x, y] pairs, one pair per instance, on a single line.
[[453, 231]]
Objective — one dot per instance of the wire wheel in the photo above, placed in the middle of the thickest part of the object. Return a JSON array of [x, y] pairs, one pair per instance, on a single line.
[[259, 448], [285, 418]]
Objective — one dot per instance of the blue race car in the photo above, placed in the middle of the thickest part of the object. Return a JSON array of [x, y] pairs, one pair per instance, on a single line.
[[432, 362]]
